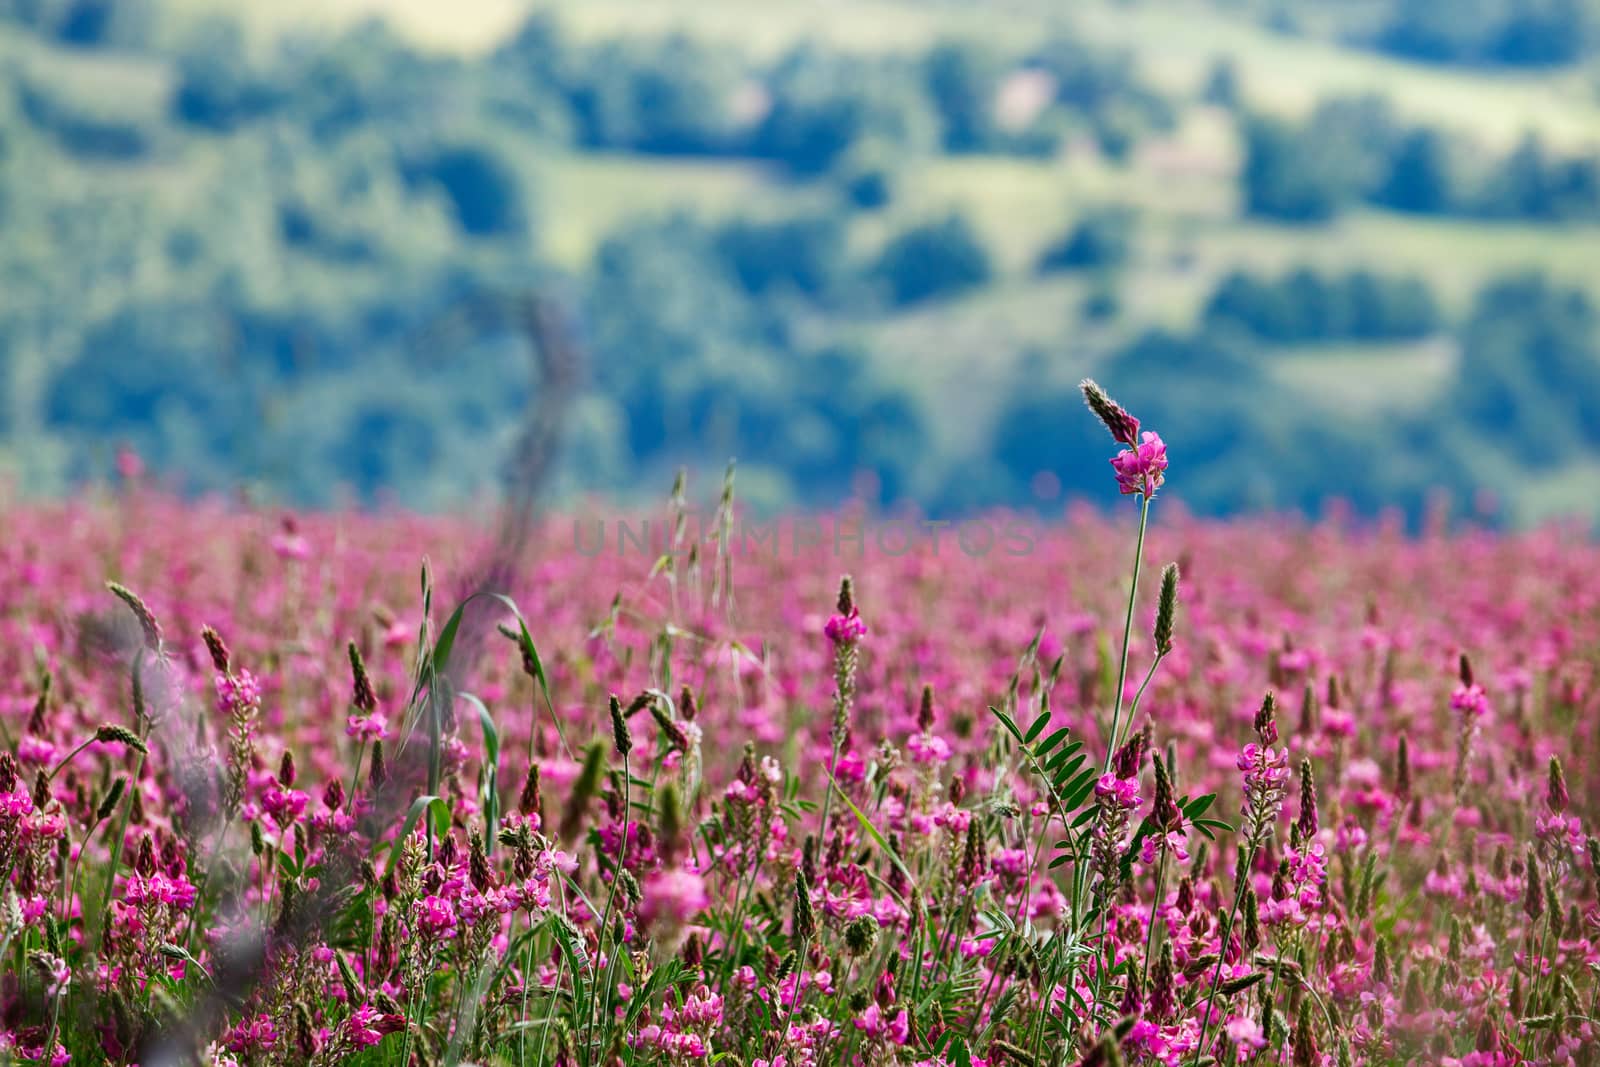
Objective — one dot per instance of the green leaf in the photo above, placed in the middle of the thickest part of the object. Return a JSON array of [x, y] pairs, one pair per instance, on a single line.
[[1009, 723], [872, 832], [489, 794], [1052, 741], [1199, 805], [1078, 789], [1036, 728], [437, 809], [577, 958], [438, 661], [1061, 778]]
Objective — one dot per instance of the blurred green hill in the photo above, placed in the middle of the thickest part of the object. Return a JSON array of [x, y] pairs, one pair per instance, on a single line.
[[1342, 249]]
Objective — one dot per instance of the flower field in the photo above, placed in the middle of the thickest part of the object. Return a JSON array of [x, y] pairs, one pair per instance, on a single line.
[[1318, 793]]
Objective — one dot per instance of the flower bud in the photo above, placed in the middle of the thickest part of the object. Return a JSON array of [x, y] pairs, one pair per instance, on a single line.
[[1307, 824], [1166, 609], [860, 935], [532, 800], [1556, 796], [1266, 721], [805, 919], [1124, 428], [361, 695], [220, 657], [621, 739]]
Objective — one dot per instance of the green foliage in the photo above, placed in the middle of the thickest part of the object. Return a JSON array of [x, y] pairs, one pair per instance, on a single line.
[[1518, 33], [933, 259], [299, 265], [483, 191], [694, 368], [1310, 172], [804, 254], [962, 79], [1304, 306], [1100, 240], [78, 133], [1532, 184], [1530, 364], [1353, 150], [823, 105], [1421, 177]]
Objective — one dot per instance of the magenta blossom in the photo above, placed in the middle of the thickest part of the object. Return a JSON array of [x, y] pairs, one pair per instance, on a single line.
[[846, 629], [367, 1026], [674, 897], [1470, 701], [1123, 791], [1142, 469]]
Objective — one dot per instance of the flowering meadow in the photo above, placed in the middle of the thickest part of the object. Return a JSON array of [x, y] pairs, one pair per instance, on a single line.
[[274, 790]]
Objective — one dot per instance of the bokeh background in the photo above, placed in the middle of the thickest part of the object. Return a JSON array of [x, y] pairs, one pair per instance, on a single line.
[[1331, 249]]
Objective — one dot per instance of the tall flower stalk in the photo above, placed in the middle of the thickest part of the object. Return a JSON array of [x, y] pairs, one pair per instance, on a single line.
[[1140, 470], [1266, 774], [846, 631]]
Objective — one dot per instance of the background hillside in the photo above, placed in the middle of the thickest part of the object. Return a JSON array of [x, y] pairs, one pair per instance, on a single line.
[[1340, 249]]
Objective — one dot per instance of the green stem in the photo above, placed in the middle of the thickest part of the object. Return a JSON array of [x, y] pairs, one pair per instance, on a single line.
[[555, 990], [741, 894], [527, 979], [1127, 633], [1222, 950], [1150, 933], [355, 779], [1266, 1004], [405, 1046], [68, 758], [611, 898], [1133, 709], [116, 850]]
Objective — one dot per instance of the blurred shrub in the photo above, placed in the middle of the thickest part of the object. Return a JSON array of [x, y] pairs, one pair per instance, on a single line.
[[962, 78], [1304, 306], [669, 97], [804, 254], [217, 88], [1099, 240], [823, 104], [869, 188], [1421, 177], [1528, 33], [1353, 150], [79, 132], [485, 193], [1530, 364], [1310, 172], [84, 23], [1221, 87], [940, 258], [1530, 184]]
